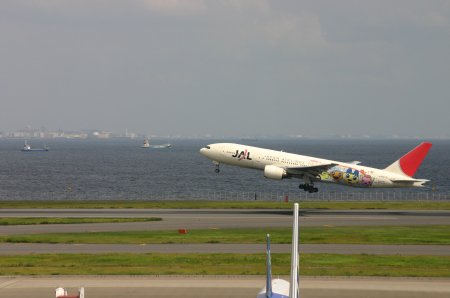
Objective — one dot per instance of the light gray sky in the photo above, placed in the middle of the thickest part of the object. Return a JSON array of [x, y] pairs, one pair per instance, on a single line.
[[233, 68]]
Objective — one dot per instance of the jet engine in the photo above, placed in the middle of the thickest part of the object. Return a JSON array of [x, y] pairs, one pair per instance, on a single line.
[[274, 172]]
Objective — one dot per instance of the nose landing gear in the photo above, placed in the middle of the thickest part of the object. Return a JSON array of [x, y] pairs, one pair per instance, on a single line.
[[217, 170]]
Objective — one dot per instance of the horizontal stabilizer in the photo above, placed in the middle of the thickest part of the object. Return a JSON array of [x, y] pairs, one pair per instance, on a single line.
[[415, 182], [402, 181], [355, 162]]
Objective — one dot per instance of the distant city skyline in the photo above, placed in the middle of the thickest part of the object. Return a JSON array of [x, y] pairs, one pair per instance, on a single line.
[[225, 68], [44, 132]]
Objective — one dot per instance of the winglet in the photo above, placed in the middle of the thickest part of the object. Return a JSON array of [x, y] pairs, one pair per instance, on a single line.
[[410, 162], [294, 287], [268, 270]]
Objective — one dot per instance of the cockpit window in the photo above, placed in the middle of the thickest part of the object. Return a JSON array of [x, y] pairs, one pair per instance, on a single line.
[[207, 147]]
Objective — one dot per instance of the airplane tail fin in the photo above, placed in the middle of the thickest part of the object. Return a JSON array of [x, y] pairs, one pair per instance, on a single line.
[[294, 283], [268, 270], [410, 162], [81, 295]]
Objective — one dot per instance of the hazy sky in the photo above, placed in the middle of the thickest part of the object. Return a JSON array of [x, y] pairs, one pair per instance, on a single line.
[[233, 68]]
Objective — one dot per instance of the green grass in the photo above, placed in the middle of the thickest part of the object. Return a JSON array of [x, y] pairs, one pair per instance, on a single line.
[[223, 264], [7, 221], [344, 235], [433, 234], [404, 205]]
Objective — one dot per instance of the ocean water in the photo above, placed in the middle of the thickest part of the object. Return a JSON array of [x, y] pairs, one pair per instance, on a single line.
[[120, 169]]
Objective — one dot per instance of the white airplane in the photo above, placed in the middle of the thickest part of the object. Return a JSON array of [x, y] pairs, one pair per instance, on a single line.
[[279, 288], [62, 293], [280, 165]]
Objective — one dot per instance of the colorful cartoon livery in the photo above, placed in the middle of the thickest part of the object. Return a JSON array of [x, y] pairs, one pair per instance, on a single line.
[[344, 175]]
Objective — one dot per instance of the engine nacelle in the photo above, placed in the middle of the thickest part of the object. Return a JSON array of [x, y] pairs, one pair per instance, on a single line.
[[274, 172]]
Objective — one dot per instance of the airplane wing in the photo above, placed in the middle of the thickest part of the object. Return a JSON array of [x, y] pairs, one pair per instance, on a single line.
[[311, 170]]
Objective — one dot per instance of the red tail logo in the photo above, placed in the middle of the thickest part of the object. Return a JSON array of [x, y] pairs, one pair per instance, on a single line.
[[411, 161]]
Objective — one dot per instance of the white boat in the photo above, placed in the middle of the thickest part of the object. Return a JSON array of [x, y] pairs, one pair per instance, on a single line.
[[162, 146], [146, 143], [27, 148]]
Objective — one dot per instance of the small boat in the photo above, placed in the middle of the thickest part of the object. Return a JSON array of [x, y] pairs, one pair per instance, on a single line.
[[27, 148], [162, 146], [146, 144]]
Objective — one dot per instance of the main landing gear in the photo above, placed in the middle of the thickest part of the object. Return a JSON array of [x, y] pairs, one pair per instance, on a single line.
[[308, 187], [217, 170]]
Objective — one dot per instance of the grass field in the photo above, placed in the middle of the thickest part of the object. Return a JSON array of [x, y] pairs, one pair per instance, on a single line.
[[229, 264], [404, 205], [224, 264], [8, 221], [324, 235]]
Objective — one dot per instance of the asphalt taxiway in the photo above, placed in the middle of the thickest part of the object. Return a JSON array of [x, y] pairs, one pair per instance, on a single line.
[[220, 286], [218, 218], [407, 250]]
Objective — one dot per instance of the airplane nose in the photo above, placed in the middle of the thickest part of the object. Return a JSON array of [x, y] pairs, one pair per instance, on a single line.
[[205, 150]]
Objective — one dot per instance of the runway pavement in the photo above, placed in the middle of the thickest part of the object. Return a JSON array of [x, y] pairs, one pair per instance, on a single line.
[[36, 248], [218, 218], [220, 286], [221, 218]]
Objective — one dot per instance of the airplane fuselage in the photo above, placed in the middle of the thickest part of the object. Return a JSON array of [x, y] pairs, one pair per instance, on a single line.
[[270, 160]]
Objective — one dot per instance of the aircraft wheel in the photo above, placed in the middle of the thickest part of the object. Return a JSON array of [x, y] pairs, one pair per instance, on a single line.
[[315, 189], [217, 170], [301, 186]]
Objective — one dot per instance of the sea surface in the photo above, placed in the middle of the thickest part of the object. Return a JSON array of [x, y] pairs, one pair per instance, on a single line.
[[120, 169]]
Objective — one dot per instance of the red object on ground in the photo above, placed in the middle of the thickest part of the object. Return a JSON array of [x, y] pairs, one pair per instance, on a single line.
[[182, 231], [286, 199]]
